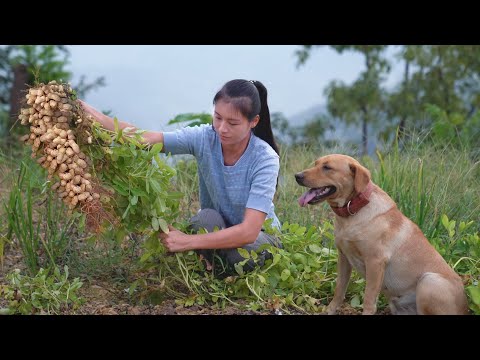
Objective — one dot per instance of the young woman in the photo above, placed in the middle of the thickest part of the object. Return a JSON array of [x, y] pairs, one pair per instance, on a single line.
[[238, 167]]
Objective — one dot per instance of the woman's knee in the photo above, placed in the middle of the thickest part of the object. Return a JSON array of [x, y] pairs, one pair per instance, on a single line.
[[208, 219]]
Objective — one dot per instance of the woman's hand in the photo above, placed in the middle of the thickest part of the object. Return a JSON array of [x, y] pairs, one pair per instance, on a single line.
[[106, 121], [82, 104], [175, 240], [87, 108], [150, 137]]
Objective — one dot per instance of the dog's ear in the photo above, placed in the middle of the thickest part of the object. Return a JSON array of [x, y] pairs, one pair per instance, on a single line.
[[361, 177]]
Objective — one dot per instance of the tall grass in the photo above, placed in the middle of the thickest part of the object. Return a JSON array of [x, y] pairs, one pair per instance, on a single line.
[[426, 180], [429, 180], [37, 218], [5, 165]]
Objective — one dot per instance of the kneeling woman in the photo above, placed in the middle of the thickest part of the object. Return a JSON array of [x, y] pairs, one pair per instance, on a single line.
[[238, 167]]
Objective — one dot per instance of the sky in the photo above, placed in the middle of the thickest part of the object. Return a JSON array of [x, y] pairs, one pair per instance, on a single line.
[[147, 85]]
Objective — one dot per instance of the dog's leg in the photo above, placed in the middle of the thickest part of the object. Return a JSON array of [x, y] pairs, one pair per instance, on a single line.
[[375, 270], [438, 295], [344, 270]]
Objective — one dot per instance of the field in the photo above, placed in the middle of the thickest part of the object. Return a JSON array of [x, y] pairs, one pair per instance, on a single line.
[[62, 269]]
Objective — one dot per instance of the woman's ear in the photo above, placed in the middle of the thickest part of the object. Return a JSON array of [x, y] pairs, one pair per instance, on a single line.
[[255, 121]]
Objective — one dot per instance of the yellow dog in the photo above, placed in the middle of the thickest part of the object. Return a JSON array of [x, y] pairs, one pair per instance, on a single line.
[[382, 244]]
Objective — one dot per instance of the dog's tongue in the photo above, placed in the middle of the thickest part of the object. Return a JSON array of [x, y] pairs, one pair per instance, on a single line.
[[306, 197]]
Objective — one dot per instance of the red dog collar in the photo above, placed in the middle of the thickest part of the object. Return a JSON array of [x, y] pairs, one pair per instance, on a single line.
[[354, 205]]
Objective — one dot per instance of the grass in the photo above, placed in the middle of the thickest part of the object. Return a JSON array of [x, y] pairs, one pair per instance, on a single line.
[[427, 181], [36, 217]]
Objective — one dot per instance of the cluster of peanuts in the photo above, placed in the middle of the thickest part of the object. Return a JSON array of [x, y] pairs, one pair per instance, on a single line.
[[50, 112]]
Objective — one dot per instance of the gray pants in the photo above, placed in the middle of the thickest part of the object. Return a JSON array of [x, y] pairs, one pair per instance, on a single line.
[[208, 219]]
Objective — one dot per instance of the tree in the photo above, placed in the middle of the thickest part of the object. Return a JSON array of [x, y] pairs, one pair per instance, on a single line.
[[312, 133], [363, 101], [446, 77], [443, 76]]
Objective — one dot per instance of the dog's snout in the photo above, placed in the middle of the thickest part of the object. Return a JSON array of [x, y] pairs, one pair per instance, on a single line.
[[299, 177]]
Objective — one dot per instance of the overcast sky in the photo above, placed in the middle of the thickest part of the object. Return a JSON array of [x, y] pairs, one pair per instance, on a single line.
[[148, 85]]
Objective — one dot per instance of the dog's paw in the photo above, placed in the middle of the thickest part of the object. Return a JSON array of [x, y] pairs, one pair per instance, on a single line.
[[369, 310], [331, 309]]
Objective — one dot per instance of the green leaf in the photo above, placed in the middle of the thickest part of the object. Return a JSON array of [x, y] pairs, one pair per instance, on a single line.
[[145, 256], [138, 192], [156, 148], [163, 225], [155, 185], [463, 226], [120, 189], [155, 224], [195, 118], [175, 195], [310, 232], [474, 292], [445, 221], [238, 268], [285, 274], [276, 259], [355, 302], [134, 200], [81, 223], [300, 231], [137, 144], [126, 211], [244, 253], [161, 205], [315, 248], [133, 151], [300, 258]]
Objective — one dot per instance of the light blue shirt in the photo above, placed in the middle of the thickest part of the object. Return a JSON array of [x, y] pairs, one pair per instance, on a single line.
[[250, 183]]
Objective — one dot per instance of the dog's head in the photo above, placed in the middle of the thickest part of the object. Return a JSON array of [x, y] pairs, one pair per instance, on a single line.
[[335, 178]]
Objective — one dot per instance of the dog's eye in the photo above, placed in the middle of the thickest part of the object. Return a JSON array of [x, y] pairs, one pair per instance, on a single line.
[[326, 167]]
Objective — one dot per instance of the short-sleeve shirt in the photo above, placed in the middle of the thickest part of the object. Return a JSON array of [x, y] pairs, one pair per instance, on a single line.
[[250, 183]]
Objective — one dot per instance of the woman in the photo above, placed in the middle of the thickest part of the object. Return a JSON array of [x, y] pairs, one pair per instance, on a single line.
[[238, 167]]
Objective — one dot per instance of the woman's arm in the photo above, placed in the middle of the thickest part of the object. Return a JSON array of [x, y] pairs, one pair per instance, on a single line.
[[150, 137], [232, 237]]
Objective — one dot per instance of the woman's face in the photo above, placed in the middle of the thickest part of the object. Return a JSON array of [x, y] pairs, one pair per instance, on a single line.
[[231, 126]]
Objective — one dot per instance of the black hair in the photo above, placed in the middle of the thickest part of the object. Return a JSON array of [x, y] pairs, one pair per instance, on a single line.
[[250, 98]]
